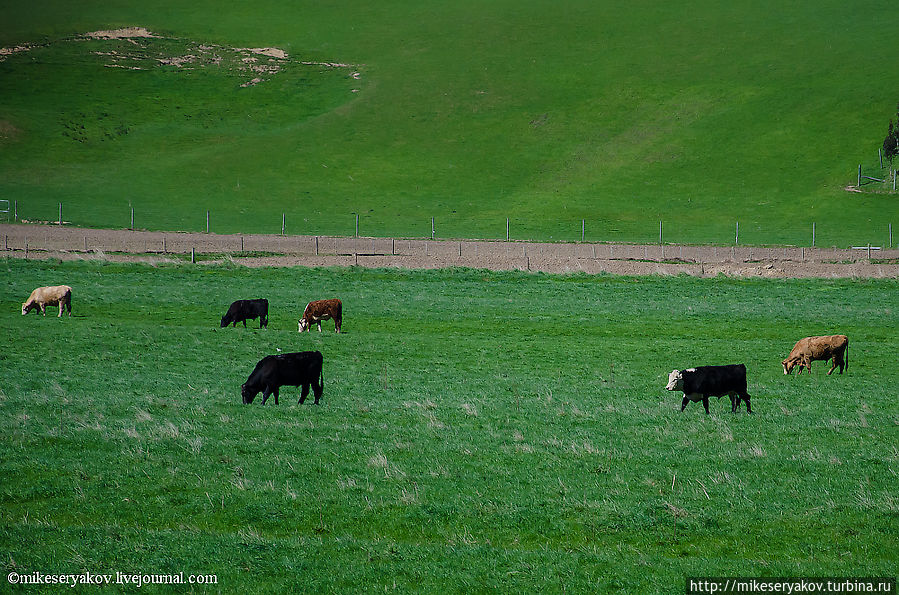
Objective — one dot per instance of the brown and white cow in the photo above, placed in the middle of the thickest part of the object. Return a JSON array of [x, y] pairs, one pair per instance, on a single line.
[[42, 297], [810, 349], [320, 310]]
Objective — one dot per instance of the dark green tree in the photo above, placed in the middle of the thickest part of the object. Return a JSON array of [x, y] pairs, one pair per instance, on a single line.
[[891, 142]]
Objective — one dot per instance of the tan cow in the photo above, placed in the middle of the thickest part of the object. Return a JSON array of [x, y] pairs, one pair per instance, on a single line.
[[810, 349], [42, 297], [320, 310]]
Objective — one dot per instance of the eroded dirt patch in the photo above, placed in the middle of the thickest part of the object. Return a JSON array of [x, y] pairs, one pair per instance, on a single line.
[[138, 48]]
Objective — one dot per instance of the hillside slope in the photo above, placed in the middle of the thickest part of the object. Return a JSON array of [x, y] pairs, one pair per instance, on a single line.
[[698, 115]]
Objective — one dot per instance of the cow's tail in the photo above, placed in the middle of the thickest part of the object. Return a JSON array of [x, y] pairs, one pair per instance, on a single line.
[[846, 358], [321, 380]]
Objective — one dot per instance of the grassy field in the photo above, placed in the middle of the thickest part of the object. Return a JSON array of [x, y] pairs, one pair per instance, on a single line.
[[479, 431], [699, 115]]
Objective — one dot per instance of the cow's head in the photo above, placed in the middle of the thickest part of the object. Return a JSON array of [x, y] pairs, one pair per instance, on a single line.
[[675, 380], [790, 363], [225, 321], [304, 324], [28, 307], [247, 394]]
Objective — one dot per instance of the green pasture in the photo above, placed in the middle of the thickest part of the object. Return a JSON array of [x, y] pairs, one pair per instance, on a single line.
[[479, 431], [699, 114]]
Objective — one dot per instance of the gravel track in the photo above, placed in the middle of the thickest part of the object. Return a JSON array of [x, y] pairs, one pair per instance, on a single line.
[[72, 243]]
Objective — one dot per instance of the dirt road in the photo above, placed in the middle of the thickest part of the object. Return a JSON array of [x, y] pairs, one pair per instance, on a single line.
[[71, 243]]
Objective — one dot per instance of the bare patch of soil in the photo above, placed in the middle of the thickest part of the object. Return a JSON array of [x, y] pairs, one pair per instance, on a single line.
[[70, 243], [124, 33], [4, 52]]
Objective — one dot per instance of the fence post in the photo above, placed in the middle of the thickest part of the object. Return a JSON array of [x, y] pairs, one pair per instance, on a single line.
[[59, 221], [813, 234], [132, 218], [193, 256], [283, 222], [15, 212], [583, 229], [432, 228], [207, 221], [357, 225], [891, 235], [660, 233], [164, 250], [858, 184], [241, 244], [507, 229], [737, 237]]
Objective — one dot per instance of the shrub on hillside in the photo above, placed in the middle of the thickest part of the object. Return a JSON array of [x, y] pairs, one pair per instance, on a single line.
[[891, 142]]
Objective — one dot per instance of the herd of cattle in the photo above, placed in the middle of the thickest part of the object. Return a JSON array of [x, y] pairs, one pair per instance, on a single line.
[[304, 369]]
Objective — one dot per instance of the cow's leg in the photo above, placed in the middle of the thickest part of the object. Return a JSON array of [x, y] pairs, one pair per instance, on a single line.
[[337, 322], [705, 403], [734, 402], [319, 326], [304, 392], [265, 394], [745, 397], [276, 394], [245, 323], [833, 367], [43, 309], [683, 404], [318, 387], [62, 305]]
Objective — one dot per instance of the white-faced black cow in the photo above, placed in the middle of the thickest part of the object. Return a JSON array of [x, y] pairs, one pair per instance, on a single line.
[[241, 310], [698, 384], [285, 369]]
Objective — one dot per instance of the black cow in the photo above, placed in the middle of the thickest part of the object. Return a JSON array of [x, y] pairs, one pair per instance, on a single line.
[[285, 369], [698, 384], [241, 310]]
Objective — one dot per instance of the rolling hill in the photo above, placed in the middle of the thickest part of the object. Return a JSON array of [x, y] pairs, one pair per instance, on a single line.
[[695, 114]]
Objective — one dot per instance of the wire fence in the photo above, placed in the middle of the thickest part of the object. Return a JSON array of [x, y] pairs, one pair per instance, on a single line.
[[741, 234], [84, 240]]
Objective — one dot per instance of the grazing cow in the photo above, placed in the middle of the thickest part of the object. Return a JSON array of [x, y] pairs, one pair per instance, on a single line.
[[42, 297], [241, 310], [320, 310], [809, 349], [698, 384], [285, 369]]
